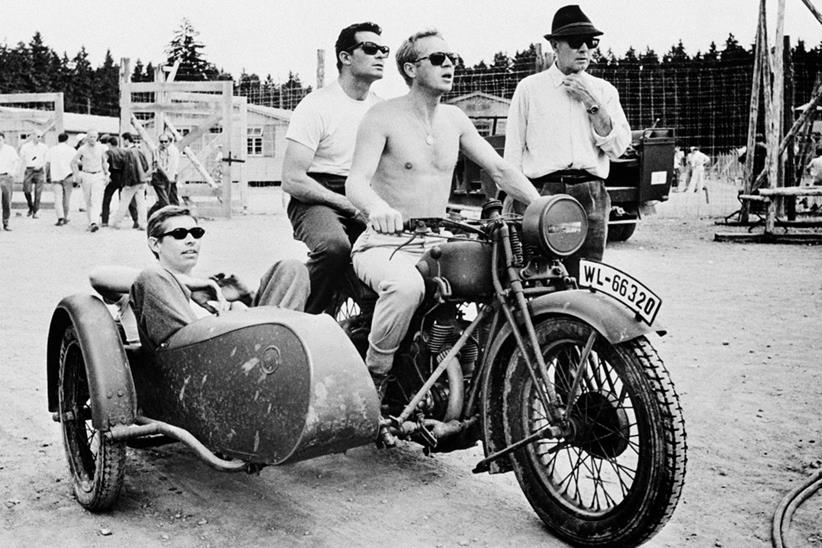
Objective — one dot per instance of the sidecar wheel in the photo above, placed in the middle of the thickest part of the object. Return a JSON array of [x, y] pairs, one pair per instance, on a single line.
[[96, 463], [618, 478]]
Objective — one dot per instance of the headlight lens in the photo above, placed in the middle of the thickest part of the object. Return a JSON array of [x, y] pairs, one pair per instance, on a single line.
[[556, 224]]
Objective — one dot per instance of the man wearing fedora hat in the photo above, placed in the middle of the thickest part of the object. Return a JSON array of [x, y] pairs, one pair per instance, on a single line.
[[564, 125]]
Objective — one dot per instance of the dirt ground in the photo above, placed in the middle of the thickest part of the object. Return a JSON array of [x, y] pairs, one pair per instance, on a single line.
[[743, 348]]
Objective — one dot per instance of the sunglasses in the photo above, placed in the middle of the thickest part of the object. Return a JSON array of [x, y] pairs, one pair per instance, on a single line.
[[162, 141], [196, 232], [370, 48], [437, 58], [576, 42]]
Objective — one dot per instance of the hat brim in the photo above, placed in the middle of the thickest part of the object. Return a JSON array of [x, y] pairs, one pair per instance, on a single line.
[[579, 29]]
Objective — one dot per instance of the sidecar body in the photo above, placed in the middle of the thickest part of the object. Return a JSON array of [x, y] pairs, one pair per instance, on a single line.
[[245, 389]]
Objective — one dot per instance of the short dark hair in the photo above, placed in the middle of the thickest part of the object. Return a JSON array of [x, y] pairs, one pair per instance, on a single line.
[[62, 138], [156, 223], [113, 141], [128, 137], [348, 37]]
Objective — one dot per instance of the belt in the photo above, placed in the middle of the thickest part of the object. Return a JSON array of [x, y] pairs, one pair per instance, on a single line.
[[567, 176], [92, 172], [34, 168]]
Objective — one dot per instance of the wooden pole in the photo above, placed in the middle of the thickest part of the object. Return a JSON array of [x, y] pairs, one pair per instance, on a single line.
[[775, 126], [753, 117], [228, 113], [125, 94], [814, 11]]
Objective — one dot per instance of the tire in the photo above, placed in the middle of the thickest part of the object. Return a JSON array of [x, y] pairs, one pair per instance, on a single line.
[[621, 232], [96, 464], [617, 481]]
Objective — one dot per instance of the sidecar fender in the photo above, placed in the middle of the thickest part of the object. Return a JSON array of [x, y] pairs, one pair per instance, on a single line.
[[111, 388], [609, 318]]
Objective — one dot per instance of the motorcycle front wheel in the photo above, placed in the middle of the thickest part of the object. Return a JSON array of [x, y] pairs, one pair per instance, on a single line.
[[617, 479]]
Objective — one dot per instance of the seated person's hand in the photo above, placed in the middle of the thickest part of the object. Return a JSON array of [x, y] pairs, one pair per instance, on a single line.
[[384, 218], [207, 293], [233, 288]]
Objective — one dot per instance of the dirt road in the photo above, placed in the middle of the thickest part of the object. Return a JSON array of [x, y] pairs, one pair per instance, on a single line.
[[743, 349]]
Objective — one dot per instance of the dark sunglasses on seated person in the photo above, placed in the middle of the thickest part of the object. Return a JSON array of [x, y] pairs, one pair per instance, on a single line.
[[576, 42], [437, 58], [370, 48], [196, 232]]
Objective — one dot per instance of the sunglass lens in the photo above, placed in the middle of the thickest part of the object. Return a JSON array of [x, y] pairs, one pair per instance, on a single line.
[[181, 233], [370, 48], [198, 232]]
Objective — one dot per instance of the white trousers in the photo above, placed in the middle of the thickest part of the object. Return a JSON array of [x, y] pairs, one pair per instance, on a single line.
[[138, 192], [93, 186], [697, 179]]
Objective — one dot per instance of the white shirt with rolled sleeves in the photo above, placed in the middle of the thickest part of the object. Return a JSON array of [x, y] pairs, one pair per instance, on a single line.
[[549, 131], [9, 160], [34, 154]]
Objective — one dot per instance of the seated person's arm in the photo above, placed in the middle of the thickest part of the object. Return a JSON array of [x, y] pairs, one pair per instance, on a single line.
[[205, 292], [298, 184], [161, 304], [371, 141], [504, 175]]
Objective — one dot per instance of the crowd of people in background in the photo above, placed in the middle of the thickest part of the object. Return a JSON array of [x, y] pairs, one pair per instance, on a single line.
[[100, 166]]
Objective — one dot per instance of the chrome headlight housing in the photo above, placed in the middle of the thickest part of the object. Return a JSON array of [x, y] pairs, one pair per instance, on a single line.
[[556, 224]]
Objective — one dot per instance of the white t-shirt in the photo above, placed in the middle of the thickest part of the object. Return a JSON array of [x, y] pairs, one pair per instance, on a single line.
[[59, 158], [326, 121]]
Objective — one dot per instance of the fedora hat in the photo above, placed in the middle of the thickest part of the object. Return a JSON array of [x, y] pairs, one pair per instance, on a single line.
[[570, 21]]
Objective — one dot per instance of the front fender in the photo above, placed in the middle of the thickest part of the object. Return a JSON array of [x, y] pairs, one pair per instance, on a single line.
[[111, 388], [608, 317]]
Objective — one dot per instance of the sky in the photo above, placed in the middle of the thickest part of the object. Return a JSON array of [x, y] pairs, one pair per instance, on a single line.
[[275, 37]]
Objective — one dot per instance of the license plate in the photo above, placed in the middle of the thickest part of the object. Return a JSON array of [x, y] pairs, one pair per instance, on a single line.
[[622, 287]]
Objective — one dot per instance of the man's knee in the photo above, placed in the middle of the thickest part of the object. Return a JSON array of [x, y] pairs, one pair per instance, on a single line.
[[333, 250], [406, 292]]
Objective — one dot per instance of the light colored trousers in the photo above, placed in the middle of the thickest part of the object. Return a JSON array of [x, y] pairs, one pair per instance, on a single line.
[[62, 196], [399, 286], [138, 192], [94, 185], [697, 179]]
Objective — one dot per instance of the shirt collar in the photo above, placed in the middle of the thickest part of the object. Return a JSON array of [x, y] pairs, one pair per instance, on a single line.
[[555, 75]]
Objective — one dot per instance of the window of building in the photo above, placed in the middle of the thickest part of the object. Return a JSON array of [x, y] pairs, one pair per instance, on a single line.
[[254, 141]]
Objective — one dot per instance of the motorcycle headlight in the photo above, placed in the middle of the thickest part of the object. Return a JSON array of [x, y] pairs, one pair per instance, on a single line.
[[555, 224]]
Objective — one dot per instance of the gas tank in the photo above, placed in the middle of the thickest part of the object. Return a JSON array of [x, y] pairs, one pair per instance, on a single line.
[[466, 264], [264, 385]]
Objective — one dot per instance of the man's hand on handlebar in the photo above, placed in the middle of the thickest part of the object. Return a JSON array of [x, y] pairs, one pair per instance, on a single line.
[[385, 219]]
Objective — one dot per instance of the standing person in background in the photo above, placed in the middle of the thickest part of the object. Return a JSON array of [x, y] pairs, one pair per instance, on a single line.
[[565, 125], [33, 153], [114, 155], [164, 179], [59, 174], [9, 162], [815, 168], [135, 178], [697, 160], [679, 158], [91, 156], [318, 155]]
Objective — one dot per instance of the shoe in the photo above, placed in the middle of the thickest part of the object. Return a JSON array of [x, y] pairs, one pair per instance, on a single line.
[[93, 227], [380, 384], [6, 227], [34, 215], [136, 226], [29, 213], [59, 222], [65, 221]]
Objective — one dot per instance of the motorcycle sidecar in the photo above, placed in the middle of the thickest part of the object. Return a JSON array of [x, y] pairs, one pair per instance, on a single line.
[[246, 389]]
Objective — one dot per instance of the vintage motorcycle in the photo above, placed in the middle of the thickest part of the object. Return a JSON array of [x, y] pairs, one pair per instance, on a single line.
[[560, 384]]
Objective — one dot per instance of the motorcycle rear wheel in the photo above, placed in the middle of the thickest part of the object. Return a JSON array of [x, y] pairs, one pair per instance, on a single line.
[[96, 463], [618, 479]]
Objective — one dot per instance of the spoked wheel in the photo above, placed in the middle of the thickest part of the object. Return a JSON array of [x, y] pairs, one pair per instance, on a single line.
[[617, 479], [96, 463]]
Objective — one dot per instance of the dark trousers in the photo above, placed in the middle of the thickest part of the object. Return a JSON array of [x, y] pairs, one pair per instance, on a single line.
[[33, 180], [108, 194], [328, 235], [6, 183], [161, 186], [594, 198]]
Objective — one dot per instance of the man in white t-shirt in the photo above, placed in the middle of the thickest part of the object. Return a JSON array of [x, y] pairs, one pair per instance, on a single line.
[[59, 174], [321, 138], [33, 154]]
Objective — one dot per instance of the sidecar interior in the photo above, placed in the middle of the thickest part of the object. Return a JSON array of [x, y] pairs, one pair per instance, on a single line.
[[264, 385]]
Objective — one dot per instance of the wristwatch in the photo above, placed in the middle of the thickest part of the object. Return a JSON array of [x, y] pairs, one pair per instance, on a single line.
[[593, 109]]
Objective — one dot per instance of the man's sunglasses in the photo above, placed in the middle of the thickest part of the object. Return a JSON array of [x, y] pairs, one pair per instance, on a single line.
[[196, 232], [576, 42], [164, 141], [370, 48], [437, 58]]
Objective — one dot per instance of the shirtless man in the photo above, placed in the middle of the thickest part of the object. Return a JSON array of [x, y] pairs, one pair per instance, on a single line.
[[403, 162]]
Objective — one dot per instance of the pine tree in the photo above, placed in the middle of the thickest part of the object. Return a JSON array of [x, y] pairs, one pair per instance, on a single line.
[[187, 49]]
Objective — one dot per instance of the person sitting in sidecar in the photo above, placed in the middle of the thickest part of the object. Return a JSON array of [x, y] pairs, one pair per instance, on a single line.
[[167, 297]]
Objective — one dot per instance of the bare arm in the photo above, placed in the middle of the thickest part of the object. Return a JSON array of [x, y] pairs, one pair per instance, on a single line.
[[504, 175], [371, 140], [75, 166], [296, 181]]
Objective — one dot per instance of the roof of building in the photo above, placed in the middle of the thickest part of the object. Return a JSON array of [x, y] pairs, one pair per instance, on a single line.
[[281, 114], [479, 94]]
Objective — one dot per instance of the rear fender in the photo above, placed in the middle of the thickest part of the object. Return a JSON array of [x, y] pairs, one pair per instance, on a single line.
[[111, 388], [609, 318]]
